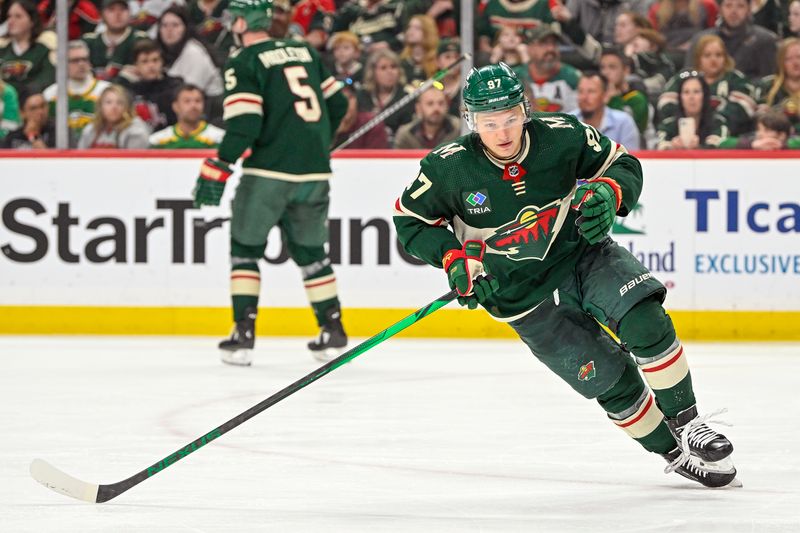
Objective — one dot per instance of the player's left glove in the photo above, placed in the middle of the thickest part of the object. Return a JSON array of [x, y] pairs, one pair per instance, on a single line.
[[211, 182], [598, 201], [464, 268]]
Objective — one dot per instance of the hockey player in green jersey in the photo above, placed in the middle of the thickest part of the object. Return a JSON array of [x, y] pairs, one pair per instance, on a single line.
[[282, 104], [530, 200]]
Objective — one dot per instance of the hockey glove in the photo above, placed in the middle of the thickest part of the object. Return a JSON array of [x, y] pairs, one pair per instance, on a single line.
[[598, 201], [211, 183], [463, 267]]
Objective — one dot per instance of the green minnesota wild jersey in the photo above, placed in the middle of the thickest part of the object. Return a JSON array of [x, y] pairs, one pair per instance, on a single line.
[[520, 209], [517, 13], [81, 105], [205, 135], [732, 96], [32, 70], [283, 104]]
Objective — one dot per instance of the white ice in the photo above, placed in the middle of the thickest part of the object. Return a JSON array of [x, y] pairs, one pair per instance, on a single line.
[[422, 436]]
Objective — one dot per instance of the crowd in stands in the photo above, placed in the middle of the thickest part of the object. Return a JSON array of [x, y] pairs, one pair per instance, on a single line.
[[650, 74]]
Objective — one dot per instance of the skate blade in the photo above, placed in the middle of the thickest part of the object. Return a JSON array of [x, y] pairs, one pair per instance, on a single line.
[[326, 355], [736, 483], [236, 358]]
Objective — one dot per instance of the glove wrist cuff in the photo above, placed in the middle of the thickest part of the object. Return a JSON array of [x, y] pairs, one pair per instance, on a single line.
[[614, 187]]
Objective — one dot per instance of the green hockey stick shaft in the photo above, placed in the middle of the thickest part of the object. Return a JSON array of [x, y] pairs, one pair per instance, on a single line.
[[59, 481]]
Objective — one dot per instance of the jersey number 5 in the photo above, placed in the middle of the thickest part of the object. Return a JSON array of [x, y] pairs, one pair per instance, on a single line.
[[308, 108]]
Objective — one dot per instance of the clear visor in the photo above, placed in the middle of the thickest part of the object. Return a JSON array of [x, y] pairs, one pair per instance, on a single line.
[[494, 121]]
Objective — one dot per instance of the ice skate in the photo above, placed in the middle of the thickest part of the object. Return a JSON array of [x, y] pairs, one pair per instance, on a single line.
[[332, 338], [707, 473], [696, 438], [237, 350]]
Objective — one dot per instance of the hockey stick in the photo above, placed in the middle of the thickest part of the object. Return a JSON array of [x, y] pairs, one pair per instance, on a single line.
[[392, 109], [53, 478]]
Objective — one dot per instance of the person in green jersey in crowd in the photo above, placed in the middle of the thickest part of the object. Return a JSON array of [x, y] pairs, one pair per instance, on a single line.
[[83, 90], [530, 199], [190, 131], [284, 105], [9, 109]]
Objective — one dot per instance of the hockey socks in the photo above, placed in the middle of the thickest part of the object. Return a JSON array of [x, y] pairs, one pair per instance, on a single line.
[[245, 288], [648, 333], [631, 407]]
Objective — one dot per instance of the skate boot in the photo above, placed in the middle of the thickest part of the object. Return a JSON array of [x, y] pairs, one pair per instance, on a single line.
[[237, 350], [332, 338], [707, 473], [696, 438]]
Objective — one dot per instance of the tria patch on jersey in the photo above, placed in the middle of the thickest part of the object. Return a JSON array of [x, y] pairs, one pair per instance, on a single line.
[[529, 236], [477, 202]]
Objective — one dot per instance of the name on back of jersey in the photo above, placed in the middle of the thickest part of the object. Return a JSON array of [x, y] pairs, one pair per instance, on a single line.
[[280, 56]]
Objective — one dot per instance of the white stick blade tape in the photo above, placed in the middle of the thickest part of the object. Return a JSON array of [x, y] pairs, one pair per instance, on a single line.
[[54, 479]]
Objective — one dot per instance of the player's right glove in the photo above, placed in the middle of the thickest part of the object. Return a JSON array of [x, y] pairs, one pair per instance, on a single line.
[[211, 182], [463, 267]]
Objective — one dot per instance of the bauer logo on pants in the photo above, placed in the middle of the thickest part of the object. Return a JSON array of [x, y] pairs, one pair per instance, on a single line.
[[586, 372]]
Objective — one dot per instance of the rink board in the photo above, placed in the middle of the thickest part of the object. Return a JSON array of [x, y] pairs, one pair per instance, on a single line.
[[112, 245]]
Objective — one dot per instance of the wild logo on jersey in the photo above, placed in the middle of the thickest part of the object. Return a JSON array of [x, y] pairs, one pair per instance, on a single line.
[[529, 236], [586, 372]]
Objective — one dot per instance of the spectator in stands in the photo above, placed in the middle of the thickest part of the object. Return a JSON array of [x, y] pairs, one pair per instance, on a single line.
[[312, 25], [592, 110], [432, 126], [153, 90], [616, 67], [190, 131], [651, 65], [519, 15], [773, 132], [145, 14], [205, 17], [111, 49], [752, 47], [694, 123], [9, 109], [418, 57], [553, 84], [281, 21], [115, 125], [627, 26], [346, 50], [83, 90], [444, 12], [37, 131], [26, 63], [597, 17], [384, 84], [377, 23], [83, 16], [184, 56], [769, 14], [448, 53], [679, 20], [782, 89], [731, 94], [509, 48], [348, 124], [792, 28]]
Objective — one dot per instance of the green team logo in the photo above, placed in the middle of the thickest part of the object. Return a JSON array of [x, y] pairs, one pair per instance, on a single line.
[[478, 202], [586, 372], [530, 235], [631, 224]]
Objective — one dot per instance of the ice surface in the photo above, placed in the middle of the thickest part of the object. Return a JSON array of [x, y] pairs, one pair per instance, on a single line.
[[413, 435]]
